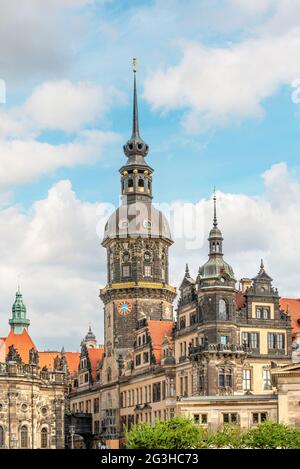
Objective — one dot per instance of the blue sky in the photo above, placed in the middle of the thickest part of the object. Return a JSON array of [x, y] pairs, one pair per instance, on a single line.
[[215, 104]]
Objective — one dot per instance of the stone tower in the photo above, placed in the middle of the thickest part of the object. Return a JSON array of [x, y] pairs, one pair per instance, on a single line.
[[137, 239], [216, 291], [19, 321]]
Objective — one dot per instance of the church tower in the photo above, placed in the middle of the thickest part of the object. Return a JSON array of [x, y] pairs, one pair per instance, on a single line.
[[216, 291], [19, 321], [137, 239]]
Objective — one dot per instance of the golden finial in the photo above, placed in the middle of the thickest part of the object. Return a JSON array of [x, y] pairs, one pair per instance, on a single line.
[[134, 64]]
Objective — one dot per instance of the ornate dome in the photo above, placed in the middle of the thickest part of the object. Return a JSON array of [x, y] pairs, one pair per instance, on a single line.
[[216, 267], [137, 219]]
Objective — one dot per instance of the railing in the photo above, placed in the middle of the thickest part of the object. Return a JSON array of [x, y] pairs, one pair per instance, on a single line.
[[218, 348]]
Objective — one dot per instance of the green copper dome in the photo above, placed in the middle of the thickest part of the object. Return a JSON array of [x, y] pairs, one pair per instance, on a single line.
[[216, 267], [19, 322]]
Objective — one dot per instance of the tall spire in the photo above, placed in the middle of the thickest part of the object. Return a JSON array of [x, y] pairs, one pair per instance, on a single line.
[[135, 149], [215, 208]]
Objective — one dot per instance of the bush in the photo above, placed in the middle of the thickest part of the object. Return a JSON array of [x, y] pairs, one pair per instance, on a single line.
[[183, 433], [270, 435], [229, 436], [177, 433]]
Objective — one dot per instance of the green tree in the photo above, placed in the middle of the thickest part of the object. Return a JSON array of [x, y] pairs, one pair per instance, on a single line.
[[228, 436], [177, 433], [270, 435]]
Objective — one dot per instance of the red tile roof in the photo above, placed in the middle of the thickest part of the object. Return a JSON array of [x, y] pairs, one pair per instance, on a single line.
[[47, 359], [73, 362], [95, 355], [158, 330], [292, 307], [240, 299], [21, 342]]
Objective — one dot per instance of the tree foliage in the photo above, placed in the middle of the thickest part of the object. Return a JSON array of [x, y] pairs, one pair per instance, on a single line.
[[177, 433], [183, 433]]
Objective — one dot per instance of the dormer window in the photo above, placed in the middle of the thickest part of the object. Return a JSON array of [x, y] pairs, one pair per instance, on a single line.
[[263, 312]]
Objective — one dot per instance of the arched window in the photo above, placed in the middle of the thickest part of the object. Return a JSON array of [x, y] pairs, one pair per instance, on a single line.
[[24, 437], [108, 375], [1, 437], [149, 186], [130, 185], [223, 310], [44, 438], [141, 182], [218, 247], [213, 247]]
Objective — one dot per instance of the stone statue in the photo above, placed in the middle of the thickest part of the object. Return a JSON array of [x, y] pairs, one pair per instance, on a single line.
[[33, 357], [58, 364], [13, 355]]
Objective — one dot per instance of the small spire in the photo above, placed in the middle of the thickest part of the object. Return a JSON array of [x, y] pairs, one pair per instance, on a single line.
[[187, 272], [262, 267], [135, 126], [215, 208]]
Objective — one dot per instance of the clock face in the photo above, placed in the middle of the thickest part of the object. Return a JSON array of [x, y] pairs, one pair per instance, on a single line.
[[124, 308]]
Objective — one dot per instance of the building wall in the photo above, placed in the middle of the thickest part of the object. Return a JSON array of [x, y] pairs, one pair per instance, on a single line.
[[214, 410], [34, 402]]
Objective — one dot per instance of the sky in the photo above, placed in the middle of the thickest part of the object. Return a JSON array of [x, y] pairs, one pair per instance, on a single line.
[[219, 94]]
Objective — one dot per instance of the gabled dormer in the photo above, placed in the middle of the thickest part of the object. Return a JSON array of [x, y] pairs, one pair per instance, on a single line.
[[187, 289]]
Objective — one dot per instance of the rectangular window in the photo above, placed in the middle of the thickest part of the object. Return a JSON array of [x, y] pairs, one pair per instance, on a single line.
[[192, 319], [96, 405], [181, 386], [247, 380], [230, 418], [267, 379], [258, 313], [147, 271], [126, 271], [186, 386], [280, 341], [271, 340], [224, 339], [156, 392], [251, 339], [138, 360], [145, 357], [204, 419], [196, 418], [163, 390], [259, 417], [266, 313], [276, 341]]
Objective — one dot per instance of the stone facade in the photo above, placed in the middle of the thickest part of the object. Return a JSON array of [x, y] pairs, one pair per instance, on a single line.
[[31, 407]]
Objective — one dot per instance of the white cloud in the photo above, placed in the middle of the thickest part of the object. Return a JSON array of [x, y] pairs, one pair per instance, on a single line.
[[64, 105], [60, 105], [253, 228], [218, 85]]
